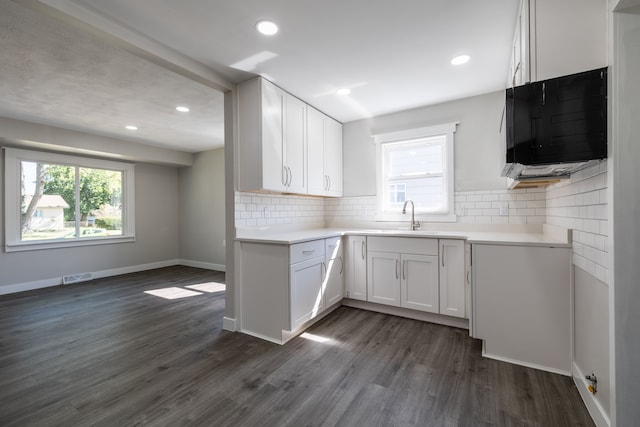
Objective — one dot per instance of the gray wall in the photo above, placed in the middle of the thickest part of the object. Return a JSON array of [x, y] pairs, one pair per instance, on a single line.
[[156, 233], [202, 209], [478, 143]]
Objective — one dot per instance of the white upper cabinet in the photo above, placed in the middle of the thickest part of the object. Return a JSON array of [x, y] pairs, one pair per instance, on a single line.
[[333, 157], [554, 39], [324, 154], [261, 137], [295, 144], [284, 145]]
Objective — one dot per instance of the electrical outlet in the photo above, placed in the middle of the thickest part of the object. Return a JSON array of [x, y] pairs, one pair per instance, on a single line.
[[504, 209], [224, 243]]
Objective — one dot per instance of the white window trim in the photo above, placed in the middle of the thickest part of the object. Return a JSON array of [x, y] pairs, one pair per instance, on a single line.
[[12, 179], [447, 129]]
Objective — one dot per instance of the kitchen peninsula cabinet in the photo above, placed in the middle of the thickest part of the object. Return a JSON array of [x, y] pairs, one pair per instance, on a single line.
[[286, 286]]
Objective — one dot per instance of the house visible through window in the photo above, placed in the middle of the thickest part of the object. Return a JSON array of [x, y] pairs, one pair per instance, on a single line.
[[416, 165], [55, 200]]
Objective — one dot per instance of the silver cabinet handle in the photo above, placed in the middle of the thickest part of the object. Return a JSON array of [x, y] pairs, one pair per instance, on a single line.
[[363, 249], [397, 268], [404, 269], [308, 252], [290, 176], [443, 252], [324, 268], [341, 265]]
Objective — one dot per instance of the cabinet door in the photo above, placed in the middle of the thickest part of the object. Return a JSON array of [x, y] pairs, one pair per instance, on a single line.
[[452, 278], [306, 299], [316, 179], [333, 157], [419, 290], [273, 171], [294, 143], [334, 275], [383, 278], [356, 279]]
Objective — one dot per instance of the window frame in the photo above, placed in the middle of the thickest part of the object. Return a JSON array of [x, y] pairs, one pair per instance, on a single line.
[[411, 135], [12, 205]]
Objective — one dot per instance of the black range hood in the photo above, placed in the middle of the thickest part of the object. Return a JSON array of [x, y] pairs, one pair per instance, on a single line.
[[556, 127]]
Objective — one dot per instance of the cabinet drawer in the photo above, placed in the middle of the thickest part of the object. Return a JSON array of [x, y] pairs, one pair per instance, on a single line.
[[406, 245], [307, 250], [333, 246]]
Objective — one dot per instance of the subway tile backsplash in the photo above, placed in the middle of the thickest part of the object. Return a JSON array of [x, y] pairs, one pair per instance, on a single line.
[[579, 203]]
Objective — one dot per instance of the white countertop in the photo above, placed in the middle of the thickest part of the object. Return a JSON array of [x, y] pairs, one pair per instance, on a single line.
[[550, 236]]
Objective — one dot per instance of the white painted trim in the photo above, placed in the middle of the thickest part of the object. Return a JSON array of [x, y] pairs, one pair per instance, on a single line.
[[229, 324], [135, 268], [56, 281], [29, 286], [525, 364], [201, 264], [593, 405]]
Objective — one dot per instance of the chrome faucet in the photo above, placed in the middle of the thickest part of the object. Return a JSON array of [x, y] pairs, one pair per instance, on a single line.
[[415, 225]]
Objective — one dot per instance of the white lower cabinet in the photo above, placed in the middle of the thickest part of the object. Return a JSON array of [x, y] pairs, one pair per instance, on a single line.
[[403, 272], [333, 290], [356, 267], [306, 279], [452, 278], [383, 286], [419, 284]]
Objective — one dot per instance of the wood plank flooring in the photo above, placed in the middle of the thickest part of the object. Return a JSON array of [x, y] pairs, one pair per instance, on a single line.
[[105, 353]]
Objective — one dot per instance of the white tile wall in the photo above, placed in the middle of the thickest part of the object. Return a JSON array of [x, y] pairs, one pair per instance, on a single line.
[[259, 210], [580, 203]]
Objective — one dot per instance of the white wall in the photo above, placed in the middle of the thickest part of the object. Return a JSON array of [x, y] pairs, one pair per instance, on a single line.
[[478, 143], [202, 210]]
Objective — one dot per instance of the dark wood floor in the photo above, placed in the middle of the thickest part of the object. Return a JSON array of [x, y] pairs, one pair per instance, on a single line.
[[106, 353]]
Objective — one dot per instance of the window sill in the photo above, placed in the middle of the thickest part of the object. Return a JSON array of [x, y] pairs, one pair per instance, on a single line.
[[34, 246]]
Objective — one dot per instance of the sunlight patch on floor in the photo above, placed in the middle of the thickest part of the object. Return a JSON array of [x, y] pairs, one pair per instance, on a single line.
[[208, 287], [172, 293], [316, 338]]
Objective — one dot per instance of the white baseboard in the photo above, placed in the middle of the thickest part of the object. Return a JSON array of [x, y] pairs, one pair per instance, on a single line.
[[29, 286], [229, 324], [56, 281], [135, 268], [205, 265], [599, 416], [522, 363]]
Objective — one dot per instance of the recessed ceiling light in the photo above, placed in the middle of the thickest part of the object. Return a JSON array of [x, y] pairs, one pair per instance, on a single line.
[[343, 91], [268, 28], [461, 59], [182, 109], [131, 127]]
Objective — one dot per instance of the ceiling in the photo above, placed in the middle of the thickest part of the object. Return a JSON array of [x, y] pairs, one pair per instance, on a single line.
[[392, 55]]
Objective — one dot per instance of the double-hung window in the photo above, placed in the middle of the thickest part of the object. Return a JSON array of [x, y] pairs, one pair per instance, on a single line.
[[416, 165], [57, 200]]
